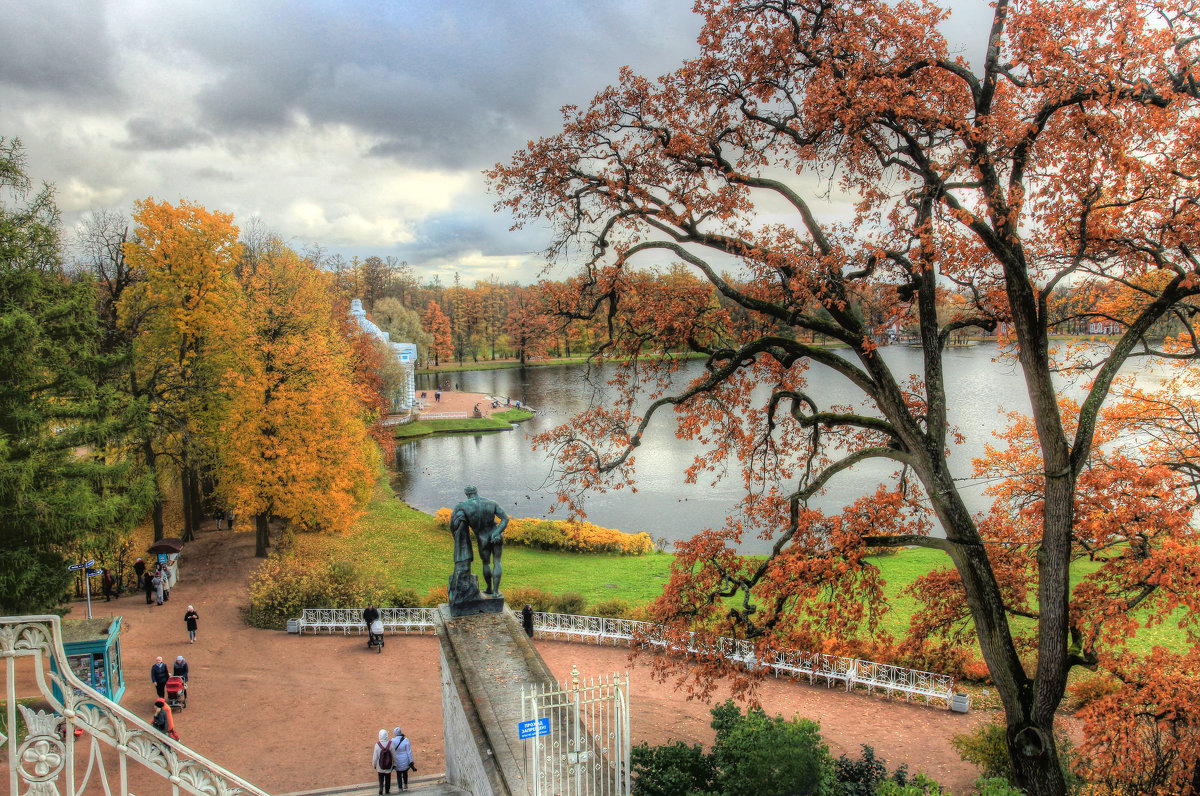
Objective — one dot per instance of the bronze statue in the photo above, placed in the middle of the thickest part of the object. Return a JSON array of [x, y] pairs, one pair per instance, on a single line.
[[478, 514]]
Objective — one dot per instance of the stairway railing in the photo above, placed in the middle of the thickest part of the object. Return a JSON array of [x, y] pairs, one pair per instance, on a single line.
[[44, 762]]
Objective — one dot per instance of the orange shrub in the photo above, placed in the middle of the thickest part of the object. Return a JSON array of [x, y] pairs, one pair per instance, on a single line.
[[1088, 689], [577, 537]]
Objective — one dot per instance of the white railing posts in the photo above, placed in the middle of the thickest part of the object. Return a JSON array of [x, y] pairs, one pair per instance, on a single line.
[[816, 666]]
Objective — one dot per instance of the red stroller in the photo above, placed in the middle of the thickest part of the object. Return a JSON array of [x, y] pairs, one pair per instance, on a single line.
[[176, 692]]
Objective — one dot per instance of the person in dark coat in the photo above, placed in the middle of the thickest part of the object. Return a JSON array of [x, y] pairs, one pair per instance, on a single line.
[[139, 568], [180, 669], [148, 585], [106, 584], [190, 618], [159, 675]]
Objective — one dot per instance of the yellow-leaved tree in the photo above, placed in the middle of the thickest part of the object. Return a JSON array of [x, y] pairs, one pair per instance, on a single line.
[[177, 312], [295, 441]]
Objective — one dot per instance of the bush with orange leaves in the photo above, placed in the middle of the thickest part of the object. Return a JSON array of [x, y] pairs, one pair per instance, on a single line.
[[576, 537], [286, 584]]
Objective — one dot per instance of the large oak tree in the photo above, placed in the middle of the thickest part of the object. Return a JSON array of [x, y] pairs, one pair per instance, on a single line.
[[1066, 156]]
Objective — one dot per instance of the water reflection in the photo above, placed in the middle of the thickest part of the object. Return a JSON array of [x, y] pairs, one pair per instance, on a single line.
[[430, 473]]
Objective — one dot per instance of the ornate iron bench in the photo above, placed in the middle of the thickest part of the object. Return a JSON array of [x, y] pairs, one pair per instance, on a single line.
[[347, 620]]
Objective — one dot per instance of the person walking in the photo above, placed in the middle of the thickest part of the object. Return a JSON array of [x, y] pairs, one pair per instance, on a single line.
[[157, 580], [139, 568], [382, 761], [181, 668], [159, 676], [230, 517], [148, 585], [106, 584], [402, 759], [218, 516], [190, 618]]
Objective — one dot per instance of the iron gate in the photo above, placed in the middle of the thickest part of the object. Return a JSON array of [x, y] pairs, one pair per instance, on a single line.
[[586, 751]]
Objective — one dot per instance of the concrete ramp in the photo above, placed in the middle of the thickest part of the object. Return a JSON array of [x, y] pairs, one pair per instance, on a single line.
[[486, 662]]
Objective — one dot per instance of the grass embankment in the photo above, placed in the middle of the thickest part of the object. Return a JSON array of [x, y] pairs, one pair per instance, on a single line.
[[500, 421], [410, 548]]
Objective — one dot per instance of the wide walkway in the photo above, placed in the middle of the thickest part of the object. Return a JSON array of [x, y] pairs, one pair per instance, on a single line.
[[298, 713]]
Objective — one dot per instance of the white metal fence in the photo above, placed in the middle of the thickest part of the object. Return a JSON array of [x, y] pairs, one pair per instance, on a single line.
[[584, 750], [816, 666], [349, 620], [46, 762]]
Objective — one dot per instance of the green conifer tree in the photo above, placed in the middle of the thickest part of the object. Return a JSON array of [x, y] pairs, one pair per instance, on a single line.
[[59, 485]]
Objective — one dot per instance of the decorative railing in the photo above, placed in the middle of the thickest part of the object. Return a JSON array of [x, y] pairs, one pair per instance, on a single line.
[[44, 763], [816, 666], [349, 620]]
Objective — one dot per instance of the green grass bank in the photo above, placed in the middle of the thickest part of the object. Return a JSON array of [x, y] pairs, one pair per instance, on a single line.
[[410, 549]]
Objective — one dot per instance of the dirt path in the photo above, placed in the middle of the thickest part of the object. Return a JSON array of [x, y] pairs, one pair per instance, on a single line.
[[291, 713]]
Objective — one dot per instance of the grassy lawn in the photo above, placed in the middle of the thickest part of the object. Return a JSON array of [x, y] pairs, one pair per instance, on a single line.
[[500, 421], [410, 548]]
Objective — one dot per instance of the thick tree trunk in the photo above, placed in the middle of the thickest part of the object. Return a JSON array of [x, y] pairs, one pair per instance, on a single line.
[[151, 458], [1034, 757], [156, 513], [185, 494], [197, 501], [262, 535]]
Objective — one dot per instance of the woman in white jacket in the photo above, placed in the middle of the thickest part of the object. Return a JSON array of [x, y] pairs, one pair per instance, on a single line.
[[384, 771], [402, 755]]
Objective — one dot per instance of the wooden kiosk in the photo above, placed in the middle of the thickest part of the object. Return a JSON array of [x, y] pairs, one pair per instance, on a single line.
[[93, 648]]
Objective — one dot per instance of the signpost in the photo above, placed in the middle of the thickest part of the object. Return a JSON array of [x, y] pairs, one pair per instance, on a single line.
[[88, 573], [533, 728]]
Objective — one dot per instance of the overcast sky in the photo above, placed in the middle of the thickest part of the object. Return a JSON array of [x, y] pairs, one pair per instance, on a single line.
[[359, 126]]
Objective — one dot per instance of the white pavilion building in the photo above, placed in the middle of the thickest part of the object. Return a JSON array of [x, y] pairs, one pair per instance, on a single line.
[[406, 355]]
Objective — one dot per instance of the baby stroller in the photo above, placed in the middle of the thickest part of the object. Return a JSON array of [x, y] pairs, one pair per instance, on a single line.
[[375, 636], [176, 693]]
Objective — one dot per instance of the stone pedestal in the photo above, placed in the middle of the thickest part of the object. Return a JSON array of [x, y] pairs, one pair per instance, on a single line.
[[486, 661], [466, 599]]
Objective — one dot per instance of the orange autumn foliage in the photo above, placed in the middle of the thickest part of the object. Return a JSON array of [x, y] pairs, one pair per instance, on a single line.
[[972, 195], [296, 444]]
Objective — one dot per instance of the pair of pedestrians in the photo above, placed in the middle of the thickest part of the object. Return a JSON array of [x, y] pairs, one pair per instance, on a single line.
[[159, 674], [390, 755]]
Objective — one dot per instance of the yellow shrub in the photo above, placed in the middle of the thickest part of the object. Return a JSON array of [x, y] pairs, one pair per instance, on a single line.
[[578, 537]]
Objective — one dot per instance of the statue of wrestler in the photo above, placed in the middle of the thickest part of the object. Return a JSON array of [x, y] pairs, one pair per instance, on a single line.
[[479, 515]]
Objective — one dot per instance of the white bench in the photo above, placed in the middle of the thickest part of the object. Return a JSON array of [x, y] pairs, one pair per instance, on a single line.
[[347, 620]]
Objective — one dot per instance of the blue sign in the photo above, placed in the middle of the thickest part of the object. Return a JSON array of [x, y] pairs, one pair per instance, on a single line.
[[76, 567], [528, 729]]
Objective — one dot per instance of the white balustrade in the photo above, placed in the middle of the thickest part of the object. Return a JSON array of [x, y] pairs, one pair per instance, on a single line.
[[816, 666]]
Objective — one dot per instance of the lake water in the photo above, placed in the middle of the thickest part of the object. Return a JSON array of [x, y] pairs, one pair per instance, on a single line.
[[430, 473]]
